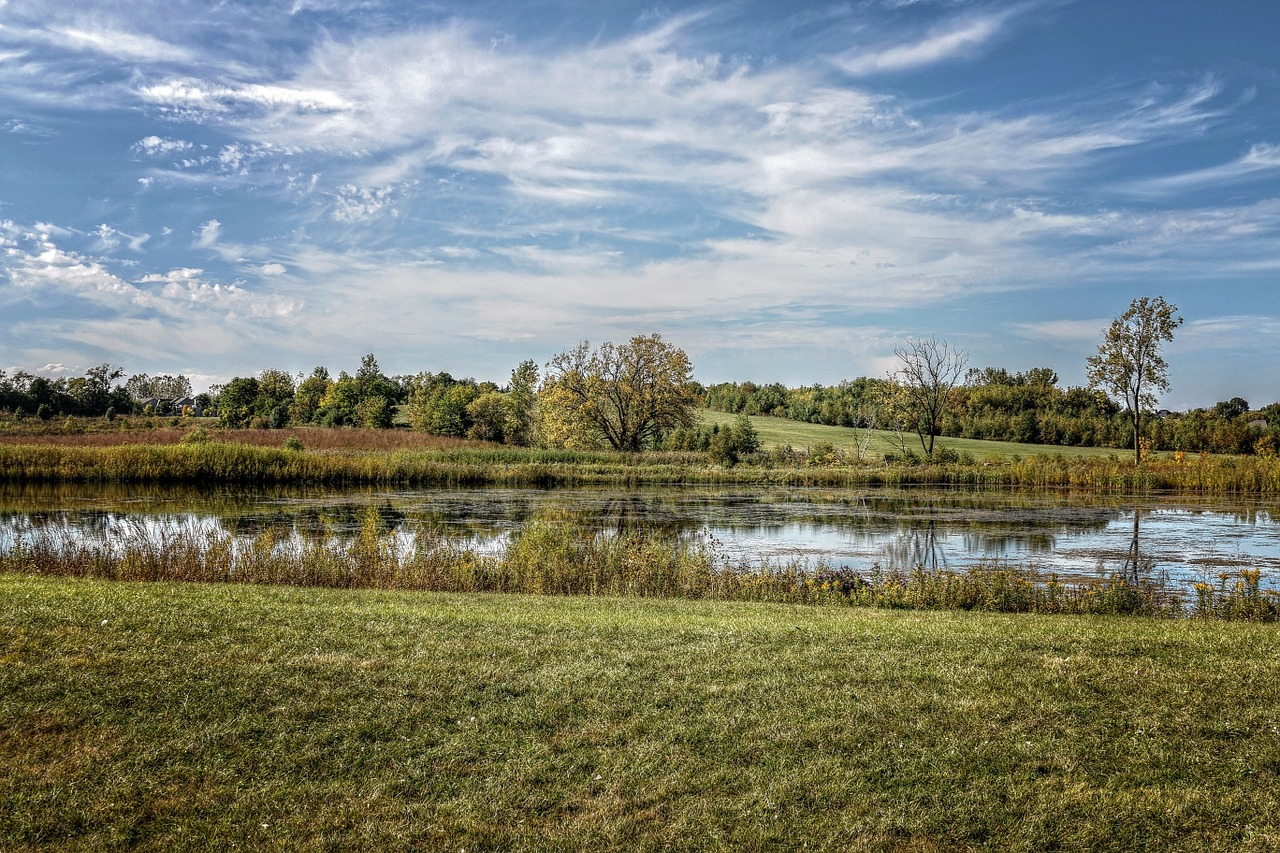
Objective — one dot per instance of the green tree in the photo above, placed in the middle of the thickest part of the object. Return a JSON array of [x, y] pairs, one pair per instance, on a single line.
[[370, 381], [489, 415], [1129, 364], [275, 396], [438, 403], [236, 403], [374, 412], [521, 402], [311, 391], [928, 370], [729, 444], [631, 395], [1231, 409], [96, 391]]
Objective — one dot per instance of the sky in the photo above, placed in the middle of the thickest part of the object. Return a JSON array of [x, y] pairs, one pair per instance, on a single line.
[[786, 191]]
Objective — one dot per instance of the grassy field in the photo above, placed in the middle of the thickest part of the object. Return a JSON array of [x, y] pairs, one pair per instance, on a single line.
[[341, 456], [778, 432], [172, 716], [774, 432]]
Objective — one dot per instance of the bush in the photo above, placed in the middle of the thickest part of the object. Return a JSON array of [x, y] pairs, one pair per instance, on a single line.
[[723, 449], [906, 457], [199, 435], [824, 454], [945, 455]]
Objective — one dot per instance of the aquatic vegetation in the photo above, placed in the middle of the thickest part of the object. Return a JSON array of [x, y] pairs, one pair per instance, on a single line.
[[1236, 597], [203, 457], [550, 559]]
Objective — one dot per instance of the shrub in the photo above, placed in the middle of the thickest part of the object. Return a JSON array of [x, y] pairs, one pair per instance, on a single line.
[[199, 435], [945, 455]]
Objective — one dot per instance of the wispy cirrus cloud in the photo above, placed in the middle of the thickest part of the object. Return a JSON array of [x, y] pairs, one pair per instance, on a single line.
[[1261, 158], [191, 95], [734, 167], [957, 40], [117, 43]]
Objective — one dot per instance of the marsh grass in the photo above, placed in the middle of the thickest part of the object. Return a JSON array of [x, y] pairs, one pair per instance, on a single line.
[[551, 559], [222, 461], [1236, 596], [200, 716], [100, 433]]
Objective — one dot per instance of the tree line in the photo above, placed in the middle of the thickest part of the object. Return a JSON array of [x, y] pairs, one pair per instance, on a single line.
[[931, 394], [641, 395], [995, 404]]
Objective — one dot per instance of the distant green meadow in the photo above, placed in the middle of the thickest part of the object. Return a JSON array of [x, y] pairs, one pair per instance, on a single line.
[[794, 454], [781, 432], [168, 716]]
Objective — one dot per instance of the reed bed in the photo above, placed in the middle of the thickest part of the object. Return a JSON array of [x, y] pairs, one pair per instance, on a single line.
[[208, 461], [549, 559], [314, 438]]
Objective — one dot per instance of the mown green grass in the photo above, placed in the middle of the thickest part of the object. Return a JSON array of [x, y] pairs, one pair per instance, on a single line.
[[171, 716], [781, 432]]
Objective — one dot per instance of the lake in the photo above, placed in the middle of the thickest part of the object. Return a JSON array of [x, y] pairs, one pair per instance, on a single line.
[[1181, 538]]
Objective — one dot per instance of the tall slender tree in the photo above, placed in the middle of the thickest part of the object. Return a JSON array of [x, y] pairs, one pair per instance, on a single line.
[[1129, 364]]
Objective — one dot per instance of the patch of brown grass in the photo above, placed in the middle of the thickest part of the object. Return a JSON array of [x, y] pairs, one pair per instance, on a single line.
[[312, 438]]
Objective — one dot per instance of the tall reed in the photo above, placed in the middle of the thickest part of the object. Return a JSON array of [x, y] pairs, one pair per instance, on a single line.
[[562, 560], [217, 461]]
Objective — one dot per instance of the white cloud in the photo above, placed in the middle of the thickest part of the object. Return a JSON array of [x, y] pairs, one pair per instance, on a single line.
[[1078, 334], [1261, 158], [648, 178], [959, 40], [197, 95], [118, 43], [18, 126], [208, 234], [181, 275], [107, 236], [153, 146], [49, 273], [1214, 333], [360, 204]]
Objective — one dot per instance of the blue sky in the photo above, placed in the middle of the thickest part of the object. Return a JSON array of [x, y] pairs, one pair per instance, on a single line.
[[784, 190]]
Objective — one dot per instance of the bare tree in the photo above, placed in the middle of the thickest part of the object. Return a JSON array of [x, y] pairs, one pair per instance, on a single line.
[[928, 370]]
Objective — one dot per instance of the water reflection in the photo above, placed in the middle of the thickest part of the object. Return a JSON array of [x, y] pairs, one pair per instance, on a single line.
[[897, 529], [1132, 569]]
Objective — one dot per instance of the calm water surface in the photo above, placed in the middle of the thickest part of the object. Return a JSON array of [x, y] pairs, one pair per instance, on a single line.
[[1076, 535]]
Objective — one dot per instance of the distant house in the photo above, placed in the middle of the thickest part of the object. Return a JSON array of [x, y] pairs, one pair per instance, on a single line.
[[182, 404], [157, 406]]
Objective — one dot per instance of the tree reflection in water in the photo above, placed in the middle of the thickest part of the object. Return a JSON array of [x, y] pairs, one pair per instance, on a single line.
[[1069, 533]]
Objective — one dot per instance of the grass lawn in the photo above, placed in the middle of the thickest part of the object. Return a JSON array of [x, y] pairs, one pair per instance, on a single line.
[[776, 432], [171, 716]]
